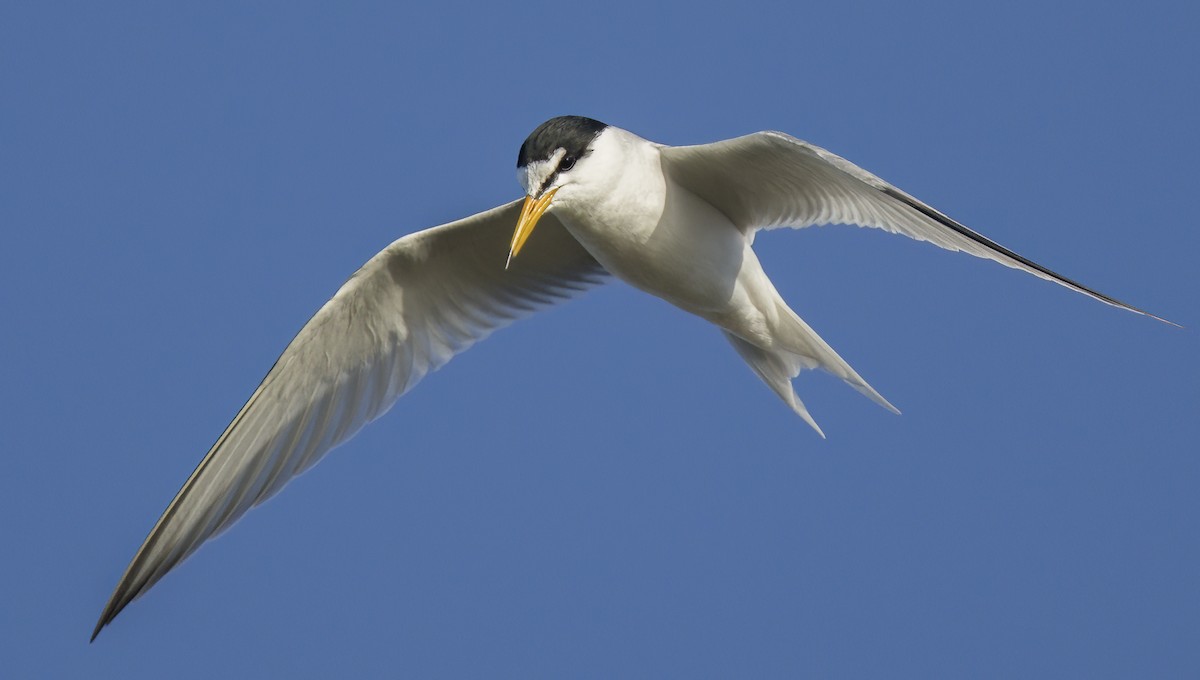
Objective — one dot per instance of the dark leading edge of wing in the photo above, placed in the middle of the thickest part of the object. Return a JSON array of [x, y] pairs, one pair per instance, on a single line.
[[946, 221]]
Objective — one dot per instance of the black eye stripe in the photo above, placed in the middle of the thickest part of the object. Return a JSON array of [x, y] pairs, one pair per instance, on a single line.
[[568, 161]]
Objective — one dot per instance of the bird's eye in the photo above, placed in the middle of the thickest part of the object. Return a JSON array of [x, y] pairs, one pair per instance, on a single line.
[[567, 163]]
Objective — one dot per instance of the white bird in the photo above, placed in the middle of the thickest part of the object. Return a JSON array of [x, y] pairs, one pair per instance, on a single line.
[[675, 222]]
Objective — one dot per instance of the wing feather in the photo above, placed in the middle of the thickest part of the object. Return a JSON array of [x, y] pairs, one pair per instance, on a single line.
[[405, 313], [769, 179]]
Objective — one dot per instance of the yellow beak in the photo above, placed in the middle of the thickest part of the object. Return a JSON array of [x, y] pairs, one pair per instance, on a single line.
[[531, 212]]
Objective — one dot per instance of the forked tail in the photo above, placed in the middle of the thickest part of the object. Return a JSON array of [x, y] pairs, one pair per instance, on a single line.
[[798, 347]]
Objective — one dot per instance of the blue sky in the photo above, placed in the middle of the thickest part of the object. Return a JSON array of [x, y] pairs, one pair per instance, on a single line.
[[605, 490]]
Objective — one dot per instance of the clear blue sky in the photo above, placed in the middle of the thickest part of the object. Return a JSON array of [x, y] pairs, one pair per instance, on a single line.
[[605, 490]]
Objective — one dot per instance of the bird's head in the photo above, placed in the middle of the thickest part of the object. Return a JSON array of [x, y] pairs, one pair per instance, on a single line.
[[551, 159]]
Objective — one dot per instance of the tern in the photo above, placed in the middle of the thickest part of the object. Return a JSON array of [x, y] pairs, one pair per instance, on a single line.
[[675, 222]]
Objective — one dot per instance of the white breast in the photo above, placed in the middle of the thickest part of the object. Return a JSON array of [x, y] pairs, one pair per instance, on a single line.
[[648, 230]]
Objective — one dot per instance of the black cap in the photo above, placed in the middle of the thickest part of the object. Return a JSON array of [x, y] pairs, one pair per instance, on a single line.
[[570, 133]]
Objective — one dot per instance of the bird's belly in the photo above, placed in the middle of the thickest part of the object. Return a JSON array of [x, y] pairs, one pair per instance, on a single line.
[[681, 249]]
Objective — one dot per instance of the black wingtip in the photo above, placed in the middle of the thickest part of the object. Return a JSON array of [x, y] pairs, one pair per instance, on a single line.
[[952, 224], [1127, 307], [111, 609], [1130, 308], [105, 618]]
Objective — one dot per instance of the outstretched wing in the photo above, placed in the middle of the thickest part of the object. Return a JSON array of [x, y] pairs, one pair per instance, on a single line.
[[770, 179], [406, 312]]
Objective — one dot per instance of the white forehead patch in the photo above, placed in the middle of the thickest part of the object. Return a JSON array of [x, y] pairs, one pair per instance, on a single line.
[[533, 176]]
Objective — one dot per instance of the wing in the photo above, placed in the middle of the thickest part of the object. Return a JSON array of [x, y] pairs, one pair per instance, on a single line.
[[769, 179], [406, 312]]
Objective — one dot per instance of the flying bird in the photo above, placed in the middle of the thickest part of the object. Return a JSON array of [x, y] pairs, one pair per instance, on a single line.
[[675, 222]]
